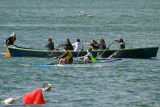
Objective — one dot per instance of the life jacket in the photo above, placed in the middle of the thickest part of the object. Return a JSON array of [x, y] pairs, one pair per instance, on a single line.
[[69, 55], [92, 57]]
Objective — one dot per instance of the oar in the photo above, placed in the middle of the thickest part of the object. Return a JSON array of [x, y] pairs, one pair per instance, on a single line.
[[80, 50], [53, 51], [110, 45], [78, 61], [106, 49]]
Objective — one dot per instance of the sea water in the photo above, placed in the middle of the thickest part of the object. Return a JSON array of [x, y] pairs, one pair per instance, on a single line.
[[135, 83]]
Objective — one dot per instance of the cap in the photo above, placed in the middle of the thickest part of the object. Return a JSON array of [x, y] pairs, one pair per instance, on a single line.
[[78, 40]]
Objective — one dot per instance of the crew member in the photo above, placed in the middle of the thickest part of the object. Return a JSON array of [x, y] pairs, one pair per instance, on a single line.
[[67, 57], [77, 45], [67, 44], [93, 44], [50, 44], [89, 57], [11, 40], [121, 42], [101, 44]]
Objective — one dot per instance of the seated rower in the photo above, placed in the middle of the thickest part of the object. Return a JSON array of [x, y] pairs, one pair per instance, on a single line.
[[11, 40], [93, 44], [77, 45], [67, 44], [67, 57], [50, 44], [122, 44], [89, 57], [101, 44]]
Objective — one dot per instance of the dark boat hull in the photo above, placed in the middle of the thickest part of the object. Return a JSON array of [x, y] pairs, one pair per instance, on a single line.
[[148, 52]]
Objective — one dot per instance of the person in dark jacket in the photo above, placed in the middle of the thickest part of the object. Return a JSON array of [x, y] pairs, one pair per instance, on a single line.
[[67, 57], [93, 44], [121, 42], [11, 40], [67, 44], [50, 44], [101, 44]]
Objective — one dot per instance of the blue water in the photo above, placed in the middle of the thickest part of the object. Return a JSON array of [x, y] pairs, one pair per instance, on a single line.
[[128, 84]]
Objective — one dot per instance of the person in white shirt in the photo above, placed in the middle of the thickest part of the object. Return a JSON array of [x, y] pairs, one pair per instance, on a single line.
[[77, 45]]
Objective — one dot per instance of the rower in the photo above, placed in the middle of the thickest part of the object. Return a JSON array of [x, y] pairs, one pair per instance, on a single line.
[[67, 57], [101, 44], [67, 44], [77, 45], [89, 57], [50, 44], [11, 40], [93, 44], [121, 42]]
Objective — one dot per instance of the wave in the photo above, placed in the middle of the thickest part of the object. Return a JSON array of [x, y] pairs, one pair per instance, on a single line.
[[2, 53], [45, 25]]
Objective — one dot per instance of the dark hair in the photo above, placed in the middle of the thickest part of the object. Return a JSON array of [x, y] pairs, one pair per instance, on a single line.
[[89, 49], [102, 40], [67, 40], [50, 39], [78, 40], [93, 41], [120, 40]]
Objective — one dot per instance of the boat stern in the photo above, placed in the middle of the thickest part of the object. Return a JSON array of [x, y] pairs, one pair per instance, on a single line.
[[8, 53]]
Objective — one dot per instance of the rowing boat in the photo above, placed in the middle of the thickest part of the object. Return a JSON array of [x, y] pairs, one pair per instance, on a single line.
[[147, 52], [81, 63]]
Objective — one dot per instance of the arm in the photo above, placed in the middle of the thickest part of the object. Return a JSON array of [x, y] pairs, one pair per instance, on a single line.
[[117, 41], [88, 54], [87, 44], [74, 44], [7, 40], [47, 45], [66, 44], [97, 44]]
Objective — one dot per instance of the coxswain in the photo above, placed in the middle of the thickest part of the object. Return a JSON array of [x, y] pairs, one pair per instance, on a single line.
[[67, 57], [89, 57], [50, 44], [11, 40], [121, 42]]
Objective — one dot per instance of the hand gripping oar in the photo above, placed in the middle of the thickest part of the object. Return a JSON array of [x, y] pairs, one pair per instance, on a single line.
[[45, 87], [106, 49]]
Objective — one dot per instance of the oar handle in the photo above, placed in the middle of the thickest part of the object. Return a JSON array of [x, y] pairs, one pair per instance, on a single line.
[[80, 50]]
